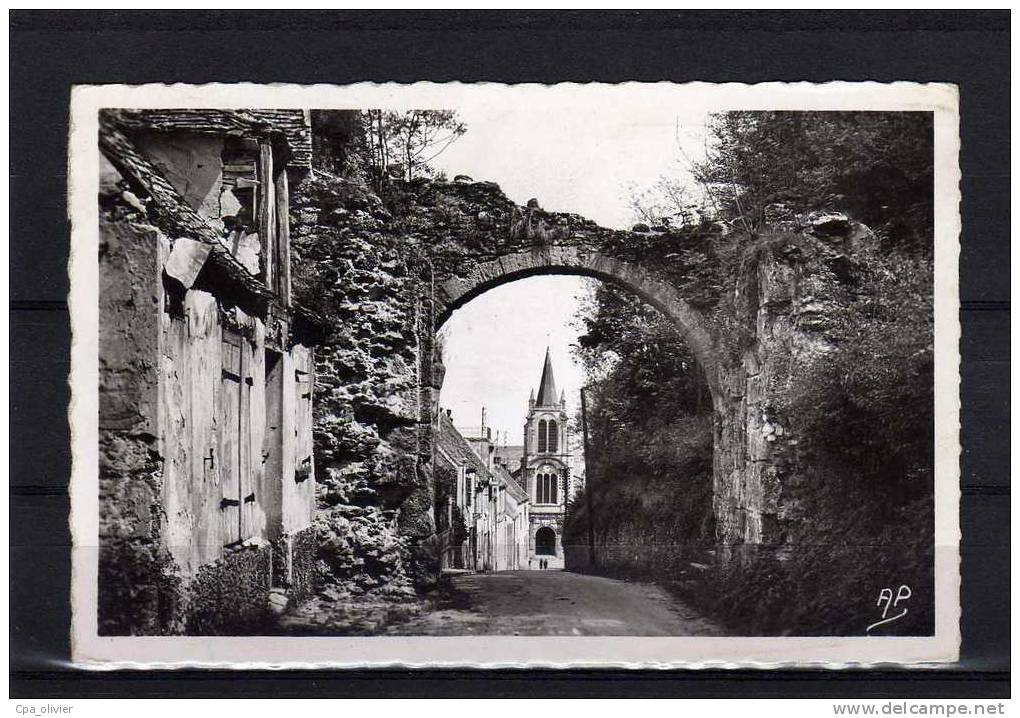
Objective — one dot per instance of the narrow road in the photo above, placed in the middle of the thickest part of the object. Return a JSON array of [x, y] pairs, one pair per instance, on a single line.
[[551, 603]]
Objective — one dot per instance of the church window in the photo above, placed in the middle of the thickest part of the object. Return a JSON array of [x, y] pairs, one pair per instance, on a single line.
[[552, 442], [542, 436], [546, 488]]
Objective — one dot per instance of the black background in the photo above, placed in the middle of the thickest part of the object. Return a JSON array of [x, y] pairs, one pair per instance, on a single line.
[[53, 50]]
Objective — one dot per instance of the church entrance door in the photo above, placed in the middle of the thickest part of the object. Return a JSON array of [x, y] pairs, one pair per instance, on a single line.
[[545, 542]]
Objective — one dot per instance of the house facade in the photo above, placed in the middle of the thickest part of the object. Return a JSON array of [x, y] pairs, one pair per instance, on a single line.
[[206, 372], [487, 510]]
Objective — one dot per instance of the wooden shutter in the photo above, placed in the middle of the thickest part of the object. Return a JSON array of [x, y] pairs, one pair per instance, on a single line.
[[230, 433], [303, 425], [236, 472], [542, 429], [248, 488], [552, 443]]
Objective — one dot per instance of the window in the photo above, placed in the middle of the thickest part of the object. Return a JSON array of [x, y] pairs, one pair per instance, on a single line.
[[546, 485], [254, 211], [303, 387], [553, 442], [542, 434], [242, 193]]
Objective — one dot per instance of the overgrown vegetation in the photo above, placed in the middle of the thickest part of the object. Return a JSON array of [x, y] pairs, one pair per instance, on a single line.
[[763, 168], [649, 429], [861, 408], [402, 144]]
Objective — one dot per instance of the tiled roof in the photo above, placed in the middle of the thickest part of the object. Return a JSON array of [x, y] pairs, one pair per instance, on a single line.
[[173, 213], [292, 126], [176, 217], [511, 483], [456, 448]]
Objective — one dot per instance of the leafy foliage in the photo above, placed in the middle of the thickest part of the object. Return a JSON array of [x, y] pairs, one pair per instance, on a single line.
[[879, 382], [861, 409], [649, 427], [406, 142], [763, 167]]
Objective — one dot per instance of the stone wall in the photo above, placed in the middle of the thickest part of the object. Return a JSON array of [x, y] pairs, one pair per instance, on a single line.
[[387, 273], [373, 494], [789, 289], [389, 268], [138, 583]]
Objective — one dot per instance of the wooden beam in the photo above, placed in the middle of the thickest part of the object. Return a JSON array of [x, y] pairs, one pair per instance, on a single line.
[[267, 213], [282, 287]]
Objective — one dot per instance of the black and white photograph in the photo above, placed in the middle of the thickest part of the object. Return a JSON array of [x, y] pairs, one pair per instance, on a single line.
[[515, 375]]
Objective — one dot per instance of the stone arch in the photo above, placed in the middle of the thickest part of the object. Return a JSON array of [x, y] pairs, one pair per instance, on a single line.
[[745, 494], [457, 291]]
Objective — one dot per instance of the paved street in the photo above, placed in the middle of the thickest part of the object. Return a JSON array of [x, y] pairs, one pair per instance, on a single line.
[[543, 603]]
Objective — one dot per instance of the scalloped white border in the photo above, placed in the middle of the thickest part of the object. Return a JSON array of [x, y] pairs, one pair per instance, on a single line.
[[92, 651]]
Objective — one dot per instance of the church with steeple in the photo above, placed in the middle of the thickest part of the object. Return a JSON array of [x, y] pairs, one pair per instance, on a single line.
[[545, 468]]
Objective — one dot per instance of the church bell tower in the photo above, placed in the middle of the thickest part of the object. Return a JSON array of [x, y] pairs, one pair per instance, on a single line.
[[545, 465]]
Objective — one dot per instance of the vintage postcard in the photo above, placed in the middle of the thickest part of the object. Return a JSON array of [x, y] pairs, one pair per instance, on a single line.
[[640, 375]]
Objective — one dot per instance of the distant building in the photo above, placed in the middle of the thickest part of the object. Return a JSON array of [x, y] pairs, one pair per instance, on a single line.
[[545, 468], [481, 511], [509, 456]]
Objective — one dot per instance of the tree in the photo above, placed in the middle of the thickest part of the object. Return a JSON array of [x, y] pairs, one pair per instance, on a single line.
[[762, 167], [862, 463], [668, 202], [409, 141], [649, 424]]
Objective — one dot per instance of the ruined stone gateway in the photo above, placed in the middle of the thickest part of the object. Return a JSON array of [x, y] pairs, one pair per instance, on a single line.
[[269, 379]]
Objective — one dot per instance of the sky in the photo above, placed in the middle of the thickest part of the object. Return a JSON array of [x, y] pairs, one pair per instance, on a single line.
[[576, 160], [571, 159], [494, 351]]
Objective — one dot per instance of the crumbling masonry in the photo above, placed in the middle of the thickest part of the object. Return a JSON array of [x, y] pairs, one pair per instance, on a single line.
[[246, 278]]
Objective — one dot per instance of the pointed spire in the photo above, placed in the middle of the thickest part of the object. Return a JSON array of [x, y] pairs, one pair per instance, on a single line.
[[547, 386], [563, 398]]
